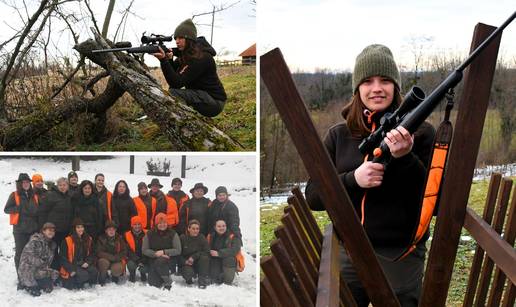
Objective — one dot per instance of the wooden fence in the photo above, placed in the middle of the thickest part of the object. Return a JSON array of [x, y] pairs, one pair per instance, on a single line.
[[304, 268]]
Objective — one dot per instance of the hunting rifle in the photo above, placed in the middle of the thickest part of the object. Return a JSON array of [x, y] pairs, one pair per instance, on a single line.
[[415, 108], [150, 44]]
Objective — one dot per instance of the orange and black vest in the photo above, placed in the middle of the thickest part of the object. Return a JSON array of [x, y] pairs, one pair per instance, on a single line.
[[239, 257], [70, 248], [129, 238], [15, 217], [141, 209], [172, 212]]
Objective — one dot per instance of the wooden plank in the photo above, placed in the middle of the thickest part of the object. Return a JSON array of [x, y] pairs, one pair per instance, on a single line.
[[459, 170], [267, 296], [496, 248], [303, 205], [285, 265], [297, 237], [509, 297], [487, 268], [306, 221], [314, 252], [307, 272], [277, 78], [279, 284], [499, 278], [489, 207], [328, 285]]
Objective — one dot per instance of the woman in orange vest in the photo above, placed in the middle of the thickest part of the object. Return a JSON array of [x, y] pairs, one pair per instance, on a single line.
[[146, 206], [22, 206], [224, 247], [105, 198], [77, 258], [135, 259], [179, 195]]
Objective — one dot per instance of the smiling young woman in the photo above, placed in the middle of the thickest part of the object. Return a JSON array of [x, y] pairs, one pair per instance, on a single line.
[[386, 200]]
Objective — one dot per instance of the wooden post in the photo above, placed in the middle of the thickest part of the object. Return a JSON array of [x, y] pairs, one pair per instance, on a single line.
[[76, 163], [459, 172], [131, 164], [183, 167], [278, 79]]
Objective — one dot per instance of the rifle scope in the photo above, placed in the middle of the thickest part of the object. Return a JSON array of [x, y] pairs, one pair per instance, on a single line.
[[154, 38]]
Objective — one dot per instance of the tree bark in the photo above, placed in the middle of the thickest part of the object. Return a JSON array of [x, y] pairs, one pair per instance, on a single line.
[[186, 129]]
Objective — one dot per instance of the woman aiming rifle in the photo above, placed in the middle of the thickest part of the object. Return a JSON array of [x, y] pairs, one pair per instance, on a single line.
[[195, 70], [387, 200]]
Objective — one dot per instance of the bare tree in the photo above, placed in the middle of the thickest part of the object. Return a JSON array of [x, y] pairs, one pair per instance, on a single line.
[[109, 12], [215, 9]]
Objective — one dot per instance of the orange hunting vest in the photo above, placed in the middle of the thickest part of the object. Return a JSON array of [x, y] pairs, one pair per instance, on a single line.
[[141, 208], [70, 254], [129, 238], [15, 217], [172, 213], [182, 201], [109, 196]]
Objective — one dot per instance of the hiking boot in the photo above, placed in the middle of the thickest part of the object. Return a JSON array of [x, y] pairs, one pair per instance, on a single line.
[[189, 281], [143, 277], [167, 287], [115, 279], [202, 286], [34, 291], [132, 277], [19, 287]]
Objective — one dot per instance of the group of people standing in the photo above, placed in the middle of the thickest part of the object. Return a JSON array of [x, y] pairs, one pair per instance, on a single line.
[[76, 234]]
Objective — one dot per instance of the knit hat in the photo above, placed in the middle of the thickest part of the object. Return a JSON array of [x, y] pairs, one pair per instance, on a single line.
[[176, 180], [155, 181], [160, 217], [186, 29], [135, 220], [199, 185], [221, 189], [141, 185], [37, 178], [23, 177], [48, 225], [375, 60], [110, 224], [72, 174]]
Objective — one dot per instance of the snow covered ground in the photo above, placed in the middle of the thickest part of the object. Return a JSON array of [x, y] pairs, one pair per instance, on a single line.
[[236, 173]]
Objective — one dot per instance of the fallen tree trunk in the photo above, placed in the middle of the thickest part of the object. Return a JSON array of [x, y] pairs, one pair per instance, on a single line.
[[42, 120], [186, 129]]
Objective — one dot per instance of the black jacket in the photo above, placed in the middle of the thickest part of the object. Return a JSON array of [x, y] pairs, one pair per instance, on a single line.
[[56, 208], [197, 74], [194, 208], [28, 212], [88, 210], [226, 211], [124, 205], [392, 209]]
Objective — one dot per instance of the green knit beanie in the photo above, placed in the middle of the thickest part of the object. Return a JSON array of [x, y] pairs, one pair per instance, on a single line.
[[186, 29], [375, 60]]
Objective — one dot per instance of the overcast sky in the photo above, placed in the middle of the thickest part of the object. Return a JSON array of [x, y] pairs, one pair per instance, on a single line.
[[330, 33], [235, 28]]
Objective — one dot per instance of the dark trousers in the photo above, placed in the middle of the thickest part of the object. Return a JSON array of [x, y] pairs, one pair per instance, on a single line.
[[200, 100], [159, 272], [132, 266], [222, 270], [58, 238], [405, 277], [82, 276], [200, 266], [20, 240]]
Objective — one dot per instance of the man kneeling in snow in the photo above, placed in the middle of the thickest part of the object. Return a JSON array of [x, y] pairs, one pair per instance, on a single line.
[[34, 271]]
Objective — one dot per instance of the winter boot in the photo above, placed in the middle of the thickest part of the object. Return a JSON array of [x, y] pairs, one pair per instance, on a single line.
[[115, 279], [143, 277], [34, 291], [203, 282], [189, 281], [132, 277]]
